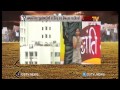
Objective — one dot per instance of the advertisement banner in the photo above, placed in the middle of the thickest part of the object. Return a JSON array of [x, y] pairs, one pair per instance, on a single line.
[[90, 48]]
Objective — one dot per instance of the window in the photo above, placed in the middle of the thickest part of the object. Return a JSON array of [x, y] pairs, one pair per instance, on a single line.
[[46, 35], [42, 36], [26, 55], [57, 54], [31, 62], [26, 62], [49, 28], [57, 62], [57, 45], [49, 36], [31, 55], [54, 42], [36, 43], [35, 62], [46, 27], [35, 54], [42, 28]]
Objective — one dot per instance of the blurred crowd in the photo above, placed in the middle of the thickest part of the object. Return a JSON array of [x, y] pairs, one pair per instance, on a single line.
[[9, 35], [109, 32]]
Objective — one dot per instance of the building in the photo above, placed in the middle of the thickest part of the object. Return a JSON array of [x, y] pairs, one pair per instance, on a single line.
[[39, 42]]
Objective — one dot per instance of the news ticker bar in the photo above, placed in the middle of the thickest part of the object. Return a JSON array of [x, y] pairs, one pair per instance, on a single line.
[[64, 18]]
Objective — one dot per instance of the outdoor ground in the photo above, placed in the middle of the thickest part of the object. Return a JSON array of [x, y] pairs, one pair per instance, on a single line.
[[10, 65]]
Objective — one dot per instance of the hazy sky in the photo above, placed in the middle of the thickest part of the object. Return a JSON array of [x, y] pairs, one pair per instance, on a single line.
[[10, 18]]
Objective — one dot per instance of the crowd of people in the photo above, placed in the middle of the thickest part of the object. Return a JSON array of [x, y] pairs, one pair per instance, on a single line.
[[10, 35], [109, 33]]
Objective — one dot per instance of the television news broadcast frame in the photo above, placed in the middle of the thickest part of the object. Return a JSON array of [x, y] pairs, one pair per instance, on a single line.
[[47, 46], [40, 39]]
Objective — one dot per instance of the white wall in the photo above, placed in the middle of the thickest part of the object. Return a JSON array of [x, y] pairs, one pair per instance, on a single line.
[[36, 32], [43, 57]]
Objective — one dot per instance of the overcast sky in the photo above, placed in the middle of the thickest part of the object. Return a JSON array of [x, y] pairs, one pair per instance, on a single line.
[[10, 18]]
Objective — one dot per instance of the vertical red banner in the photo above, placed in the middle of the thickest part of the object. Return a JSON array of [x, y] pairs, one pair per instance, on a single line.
[[90, 48]]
